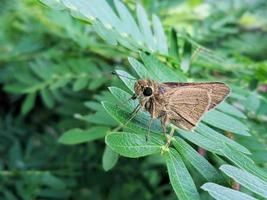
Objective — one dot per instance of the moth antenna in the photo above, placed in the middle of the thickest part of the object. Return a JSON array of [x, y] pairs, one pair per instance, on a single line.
[[120, 75]]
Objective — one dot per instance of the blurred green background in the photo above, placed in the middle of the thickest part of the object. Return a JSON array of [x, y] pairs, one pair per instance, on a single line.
[[55, 70]]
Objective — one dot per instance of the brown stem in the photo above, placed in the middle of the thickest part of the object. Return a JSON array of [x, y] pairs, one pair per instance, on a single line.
[[236, 186], [201, 151]]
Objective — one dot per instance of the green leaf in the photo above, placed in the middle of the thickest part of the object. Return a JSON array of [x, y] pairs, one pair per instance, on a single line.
[[145, 27], [180, 178], [197, 161], [229, 109], [55, 4], [226, 122], [243, 162], [128, 22], [109, 158], [220, 138], [104, 33], [129, 81], [42, 69], [160, 37], [252, 102], [223, 193], [47, 98], [186, 58], [246, 179], [60, 83], [28, 103], [77, 136], [123, 97], [80, 84], [159, 71], [202, 141], [139, 68], [96, 83], [49, 180], [174, 49], [132, 145]]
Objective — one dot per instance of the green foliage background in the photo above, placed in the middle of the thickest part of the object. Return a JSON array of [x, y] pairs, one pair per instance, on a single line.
[[60, 105]]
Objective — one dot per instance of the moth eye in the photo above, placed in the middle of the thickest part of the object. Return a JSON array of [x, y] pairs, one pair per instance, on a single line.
[[147, 91]]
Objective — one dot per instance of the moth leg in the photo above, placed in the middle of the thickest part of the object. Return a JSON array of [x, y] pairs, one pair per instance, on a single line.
[[164, 123], [149, 127], [133, 113], [170, 137], [135, 109]]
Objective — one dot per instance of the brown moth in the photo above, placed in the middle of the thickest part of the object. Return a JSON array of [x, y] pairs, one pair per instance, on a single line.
[[182, 104]]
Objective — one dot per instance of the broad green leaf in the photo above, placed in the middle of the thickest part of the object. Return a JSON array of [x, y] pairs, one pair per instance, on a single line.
[[219, 138], [47, 98], [229, 109], [246, 179], [197, 161], [77, 136], [28, 103], [132, 145], [109, 158], [159, 35], [226, 122], [224, 193], [80, 84], [180, 178]]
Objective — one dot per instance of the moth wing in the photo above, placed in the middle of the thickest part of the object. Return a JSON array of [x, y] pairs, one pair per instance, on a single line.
[[218, 91], [187, 105]]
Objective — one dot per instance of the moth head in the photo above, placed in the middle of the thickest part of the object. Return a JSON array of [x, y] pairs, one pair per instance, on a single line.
[[144, 88]]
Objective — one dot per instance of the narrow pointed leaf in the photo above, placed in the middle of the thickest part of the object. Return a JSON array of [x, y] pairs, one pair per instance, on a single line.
[[223, 193], [28, 103], [229, 109], [47, 98], [243, 162], [246, 179], [159, 35], [109, 158], [180, 178], [220, 138], [226, 122], [197, 161]]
